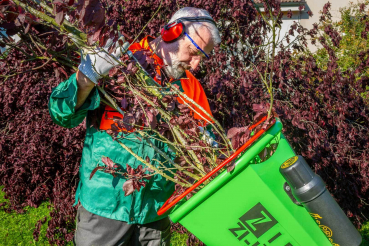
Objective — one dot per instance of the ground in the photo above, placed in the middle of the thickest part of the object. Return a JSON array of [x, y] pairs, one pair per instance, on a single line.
[[17, 229]]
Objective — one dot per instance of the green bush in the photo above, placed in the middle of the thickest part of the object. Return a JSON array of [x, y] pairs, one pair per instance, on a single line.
[[354, 30]]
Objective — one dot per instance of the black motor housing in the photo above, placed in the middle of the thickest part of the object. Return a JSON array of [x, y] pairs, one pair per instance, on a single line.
[[310, 190]]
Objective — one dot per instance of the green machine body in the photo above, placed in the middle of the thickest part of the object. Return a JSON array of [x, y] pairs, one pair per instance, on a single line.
[[250, 205]]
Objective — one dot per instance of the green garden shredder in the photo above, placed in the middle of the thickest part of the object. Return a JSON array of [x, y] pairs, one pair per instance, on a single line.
[[280, 201]]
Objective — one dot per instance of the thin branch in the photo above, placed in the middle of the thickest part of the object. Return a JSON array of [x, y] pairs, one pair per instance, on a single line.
[[152, 166], [152, 17], [30, 70]]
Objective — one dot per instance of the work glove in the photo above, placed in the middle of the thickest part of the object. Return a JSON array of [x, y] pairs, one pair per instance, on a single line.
[[97, 63], [207, 138]]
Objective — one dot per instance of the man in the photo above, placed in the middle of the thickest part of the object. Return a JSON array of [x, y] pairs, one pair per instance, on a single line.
[[105, 216]]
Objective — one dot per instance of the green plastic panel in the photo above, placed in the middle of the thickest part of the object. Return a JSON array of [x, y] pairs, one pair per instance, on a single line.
[[249, 206]]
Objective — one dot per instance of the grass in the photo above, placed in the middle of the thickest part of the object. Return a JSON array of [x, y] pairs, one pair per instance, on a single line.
[[365, 234], [17, 229]]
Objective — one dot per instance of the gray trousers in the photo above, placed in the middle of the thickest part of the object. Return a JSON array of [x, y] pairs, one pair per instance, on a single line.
[[94, 230]]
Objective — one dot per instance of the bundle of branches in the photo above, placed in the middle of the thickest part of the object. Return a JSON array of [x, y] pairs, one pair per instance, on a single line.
[[324, 115], [154, 112]]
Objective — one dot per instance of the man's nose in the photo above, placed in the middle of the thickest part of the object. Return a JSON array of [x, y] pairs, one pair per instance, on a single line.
[[195, 61]]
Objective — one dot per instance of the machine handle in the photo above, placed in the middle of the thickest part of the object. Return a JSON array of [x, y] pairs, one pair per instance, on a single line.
[[166, 206]]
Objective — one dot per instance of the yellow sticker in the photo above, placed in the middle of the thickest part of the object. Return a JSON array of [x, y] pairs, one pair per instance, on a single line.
[[327, 231], [289, 162], [315, 216]]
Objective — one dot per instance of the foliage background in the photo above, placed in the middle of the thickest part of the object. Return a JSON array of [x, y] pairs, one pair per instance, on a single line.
[[319, 98]]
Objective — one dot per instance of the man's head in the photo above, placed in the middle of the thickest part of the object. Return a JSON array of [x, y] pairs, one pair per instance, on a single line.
[[182, 54]]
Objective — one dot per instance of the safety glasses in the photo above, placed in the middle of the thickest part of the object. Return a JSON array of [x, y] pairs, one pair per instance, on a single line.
[[194, 43]]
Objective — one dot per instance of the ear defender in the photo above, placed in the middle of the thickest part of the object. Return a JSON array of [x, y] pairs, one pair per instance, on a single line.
[[174, 30]]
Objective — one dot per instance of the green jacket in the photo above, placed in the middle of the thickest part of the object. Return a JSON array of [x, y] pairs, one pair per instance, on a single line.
[[103, 194]]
